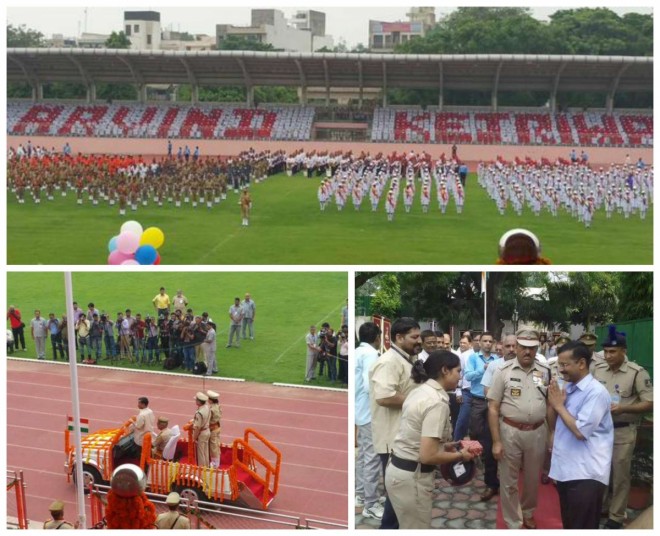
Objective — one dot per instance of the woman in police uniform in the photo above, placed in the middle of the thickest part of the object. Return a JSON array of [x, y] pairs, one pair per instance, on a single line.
[[424, 440]]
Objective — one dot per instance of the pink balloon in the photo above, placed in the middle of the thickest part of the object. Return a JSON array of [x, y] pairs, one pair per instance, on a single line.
[[127, 242], [117, 257], [130, 262]]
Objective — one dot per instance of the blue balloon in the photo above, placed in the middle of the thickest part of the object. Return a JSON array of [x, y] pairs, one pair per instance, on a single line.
[[146, 254], [112, 245]]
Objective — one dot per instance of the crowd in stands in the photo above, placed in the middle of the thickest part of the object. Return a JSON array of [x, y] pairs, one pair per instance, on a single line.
[[517, 128], [203, 121]]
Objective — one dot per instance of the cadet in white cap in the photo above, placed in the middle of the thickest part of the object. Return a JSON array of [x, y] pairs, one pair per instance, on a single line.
[[57, 522], [201, 431], [173, 519], [214, 427]]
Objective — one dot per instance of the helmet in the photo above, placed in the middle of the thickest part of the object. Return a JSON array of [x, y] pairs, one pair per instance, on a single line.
[[458, 473]]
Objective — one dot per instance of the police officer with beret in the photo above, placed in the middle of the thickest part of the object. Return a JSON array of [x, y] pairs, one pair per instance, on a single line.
[[516, 413], [57, 522], [424, 440], [630, 387]]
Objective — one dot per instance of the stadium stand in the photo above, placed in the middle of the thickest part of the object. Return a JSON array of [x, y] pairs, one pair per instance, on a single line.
[[160, 121], [519, 128]]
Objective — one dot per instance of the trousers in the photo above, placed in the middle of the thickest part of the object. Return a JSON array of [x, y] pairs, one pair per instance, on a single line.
[[580, 502], [367, 466]]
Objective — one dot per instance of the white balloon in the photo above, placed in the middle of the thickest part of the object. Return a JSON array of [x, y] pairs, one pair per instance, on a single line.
[[132, 226]]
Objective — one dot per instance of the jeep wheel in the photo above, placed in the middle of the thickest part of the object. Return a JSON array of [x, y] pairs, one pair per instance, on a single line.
[[191, 493], [91, 475]]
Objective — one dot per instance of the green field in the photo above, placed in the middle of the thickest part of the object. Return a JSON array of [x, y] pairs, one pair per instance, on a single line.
[[287, 227], [287, 304]]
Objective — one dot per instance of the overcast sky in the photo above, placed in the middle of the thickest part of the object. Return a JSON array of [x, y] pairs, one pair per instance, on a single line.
[[347, 23]]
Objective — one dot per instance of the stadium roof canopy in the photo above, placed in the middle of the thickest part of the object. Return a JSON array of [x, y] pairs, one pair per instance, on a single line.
[[485, 72]]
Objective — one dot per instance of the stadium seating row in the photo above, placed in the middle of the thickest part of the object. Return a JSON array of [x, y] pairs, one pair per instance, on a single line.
[[159, 121], [525, 128]]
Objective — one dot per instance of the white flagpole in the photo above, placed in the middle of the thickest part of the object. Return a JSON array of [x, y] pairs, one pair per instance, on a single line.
[[485, 288], [73, 368]]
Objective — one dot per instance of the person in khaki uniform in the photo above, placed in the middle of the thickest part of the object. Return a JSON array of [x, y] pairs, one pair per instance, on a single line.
[[516, 415], [389, 384], [214, 427], [57, 522], [172, 520], [164, 435], [424, 440], [201, 433], [630, 387], [590, 340]]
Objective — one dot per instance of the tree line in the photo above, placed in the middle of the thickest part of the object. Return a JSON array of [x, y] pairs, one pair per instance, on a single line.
[[552, 300]]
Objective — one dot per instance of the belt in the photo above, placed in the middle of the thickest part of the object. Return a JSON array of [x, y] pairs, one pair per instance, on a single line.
[[409, 465], [478, 397], [523, 426], [622, 424]]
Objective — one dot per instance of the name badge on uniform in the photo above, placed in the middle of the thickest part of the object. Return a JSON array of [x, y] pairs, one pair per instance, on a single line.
[[515, 392]]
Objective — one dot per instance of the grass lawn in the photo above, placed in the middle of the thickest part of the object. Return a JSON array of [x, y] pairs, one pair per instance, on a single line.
[[287, 227], [287, 304]]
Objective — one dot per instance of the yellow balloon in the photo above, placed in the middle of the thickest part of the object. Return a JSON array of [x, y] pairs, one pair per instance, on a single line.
[[152, 236]]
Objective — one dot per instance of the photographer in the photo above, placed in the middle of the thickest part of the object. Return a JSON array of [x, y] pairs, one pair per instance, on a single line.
[[55, 336], [138, 338], [108, 336], [96, 330], [17, 326], [151, 333], [82, 332], [188, 344], [164, 333], [328, 344]]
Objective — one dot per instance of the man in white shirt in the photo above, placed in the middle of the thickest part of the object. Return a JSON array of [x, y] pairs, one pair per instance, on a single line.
[[429, 344], [145, 423]]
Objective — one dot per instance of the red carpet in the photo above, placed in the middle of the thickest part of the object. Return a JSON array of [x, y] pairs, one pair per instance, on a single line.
[[256, 487], [547, 514]]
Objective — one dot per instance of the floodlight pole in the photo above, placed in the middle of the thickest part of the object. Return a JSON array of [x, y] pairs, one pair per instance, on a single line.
[[73, 369]]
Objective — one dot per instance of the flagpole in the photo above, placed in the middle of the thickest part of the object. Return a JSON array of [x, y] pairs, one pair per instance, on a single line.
[[73, 369], [485, 285]]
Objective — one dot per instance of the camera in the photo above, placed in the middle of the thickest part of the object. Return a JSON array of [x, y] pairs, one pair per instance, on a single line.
[[104, 318], [323, 333]]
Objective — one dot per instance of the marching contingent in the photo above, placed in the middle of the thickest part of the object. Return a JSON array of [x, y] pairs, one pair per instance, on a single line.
[[385, 178], [382, 181], [576, 188]]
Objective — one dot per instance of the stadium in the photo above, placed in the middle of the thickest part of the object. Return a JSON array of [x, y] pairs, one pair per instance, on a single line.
[[323, 141]]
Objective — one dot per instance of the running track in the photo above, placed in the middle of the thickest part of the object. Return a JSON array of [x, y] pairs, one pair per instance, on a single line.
[[310, 427]]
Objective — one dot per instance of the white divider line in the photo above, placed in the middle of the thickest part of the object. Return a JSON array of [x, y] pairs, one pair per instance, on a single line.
[[163, 372], [317, 387]]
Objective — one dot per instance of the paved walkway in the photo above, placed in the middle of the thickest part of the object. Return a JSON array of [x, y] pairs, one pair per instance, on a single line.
[[460, 507], [453, 507]]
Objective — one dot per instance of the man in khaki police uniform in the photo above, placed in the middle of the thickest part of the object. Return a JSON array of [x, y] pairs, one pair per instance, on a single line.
[[57, 522], [164, 435], [631, 385], [389, 384], [172, 519], [214, 427], [516, 415], [590, 340], [201, 433]]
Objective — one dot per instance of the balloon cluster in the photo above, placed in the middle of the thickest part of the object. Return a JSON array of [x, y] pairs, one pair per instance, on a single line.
[[134, 246]]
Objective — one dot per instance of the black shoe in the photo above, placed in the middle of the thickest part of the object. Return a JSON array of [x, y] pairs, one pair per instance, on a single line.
[[611, 524]]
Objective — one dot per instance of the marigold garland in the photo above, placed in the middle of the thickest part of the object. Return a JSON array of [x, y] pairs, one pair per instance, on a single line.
[[540, 260], [130, 512]]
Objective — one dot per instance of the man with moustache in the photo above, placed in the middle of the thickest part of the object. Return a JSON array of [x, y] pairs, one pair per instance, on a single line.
[[516, 415], [389, 384], [475, 367], [580, 415], [631, 392], [429, 343]]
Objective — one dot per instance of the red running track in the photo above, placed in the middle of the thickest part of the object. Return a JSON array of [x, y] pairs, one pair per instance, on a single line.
[[310, 427]]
